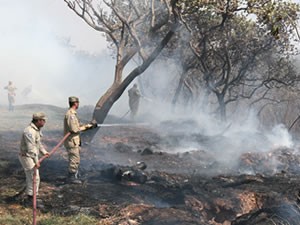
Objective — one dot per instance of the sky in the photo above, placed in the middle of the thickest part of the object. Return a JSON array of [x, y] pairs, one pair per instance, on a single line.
[[32, 55]]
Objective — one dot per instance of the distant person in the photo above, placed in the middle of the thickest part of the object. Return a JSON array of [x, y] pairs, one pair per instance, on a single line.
[[134, 100], [30, 148], [11, 95], [73, 142]]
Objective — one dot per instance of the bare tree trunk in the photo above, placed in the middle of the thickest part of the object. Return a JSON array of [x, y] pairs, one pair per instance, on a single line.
[[222, 107], [178, 89], [204, 103], [116, 90]]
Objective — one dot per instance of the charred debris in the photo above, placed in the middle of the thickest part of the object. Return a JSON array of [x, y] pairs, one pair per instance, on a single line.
[[138, 175]]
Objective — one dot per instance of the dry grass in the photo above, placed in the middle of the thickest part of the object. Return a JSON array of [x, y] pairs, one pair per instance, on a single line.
[[18, 215]]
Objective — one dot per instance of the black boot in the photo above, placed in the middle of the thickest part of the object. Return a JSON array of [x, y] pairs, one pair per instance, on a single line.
[[40, 204], [73, 178], [28, 202]]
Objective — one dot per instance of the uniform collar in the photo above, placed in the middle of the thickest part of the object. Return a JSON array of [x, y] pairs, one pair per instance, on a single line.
[[34, 126], [73, 110]]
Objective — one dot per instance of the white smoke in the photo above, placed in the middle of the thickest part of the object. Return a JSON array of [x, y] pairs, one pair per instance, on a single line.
[[280, 137], [46, 46], [226, 142]]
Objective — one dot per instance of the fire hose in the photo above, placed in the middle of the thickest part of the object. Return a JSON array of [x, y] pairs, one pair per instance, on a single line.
[[53, 151], [35, 172]]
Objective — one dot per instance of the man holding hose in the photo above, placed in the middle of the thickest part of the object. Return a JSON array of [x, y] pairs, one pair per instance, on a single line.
[[30, 148], [73, 142]]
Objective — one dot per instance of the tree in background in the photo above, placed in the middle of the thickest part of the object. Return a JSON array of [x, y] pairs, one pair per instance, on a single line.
[[135, 29], [228, 40], [238, 56]]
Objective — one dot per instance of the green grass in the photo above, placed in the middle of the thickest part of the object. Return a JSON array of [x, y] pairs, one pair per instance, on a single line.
[[46, 219], [9, 219], [79, 219]]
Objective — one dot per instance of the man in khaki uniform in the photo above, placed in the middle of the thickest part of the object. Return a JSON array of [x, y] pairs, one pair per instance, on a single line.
[[11, 95], [73, 143], [30, 148], [134, 100]]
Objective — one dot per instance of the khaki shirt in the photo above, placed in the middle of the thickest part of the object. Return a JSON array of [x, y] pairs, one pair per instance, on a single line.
[[11, 90], [72, 125], [31, 144]]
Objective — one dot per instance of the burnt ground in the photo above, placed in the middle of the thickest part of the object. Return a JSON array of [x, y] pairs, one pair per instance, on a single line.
[[177, 187]]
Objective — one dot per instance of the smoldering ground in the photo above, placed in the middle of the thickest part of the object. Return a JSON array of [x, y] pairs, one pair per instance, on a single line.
[[182, 187]]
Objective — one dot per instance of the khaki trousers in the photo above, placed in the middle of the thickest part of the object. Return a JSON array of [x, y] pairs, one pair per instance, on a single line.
[[74, 159], [28, 166]]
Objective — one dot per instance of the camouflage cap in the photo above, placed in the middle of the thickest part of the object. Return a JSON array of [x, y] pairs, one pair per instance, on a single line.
[[73, 99], [39, 116]]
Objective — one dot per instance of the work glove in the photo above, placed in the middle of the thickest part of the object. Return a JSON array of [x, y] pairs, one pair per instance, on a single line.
[[85, 127], [90, 125], [94, 123]]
